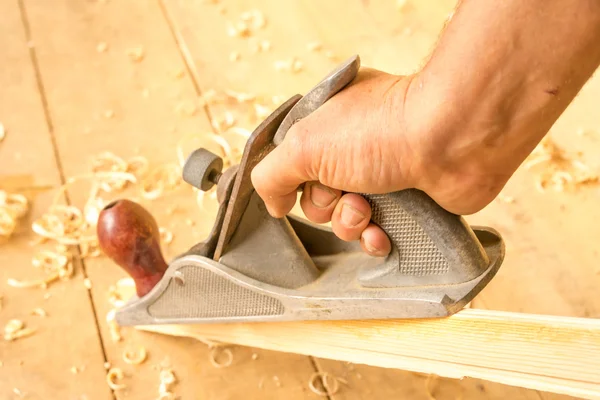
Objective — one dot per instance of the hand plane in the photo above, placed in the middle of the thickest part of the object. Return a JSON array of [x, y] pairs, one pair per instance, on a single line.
[[253, 267]]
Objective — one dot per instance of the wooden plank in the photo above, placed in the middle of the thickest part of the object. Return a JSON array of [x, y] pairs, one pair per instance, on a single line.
[[38, 366], [144, 98], [554, 354]]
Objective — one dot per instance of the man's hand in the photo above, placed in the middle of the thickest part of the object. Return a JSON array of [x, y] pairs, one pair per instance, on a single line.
[[500, 76], [355, 142]]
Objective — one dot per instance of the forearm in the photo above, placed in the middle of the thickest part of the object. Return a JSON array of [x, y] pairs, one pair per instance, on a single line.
[[504, 71]]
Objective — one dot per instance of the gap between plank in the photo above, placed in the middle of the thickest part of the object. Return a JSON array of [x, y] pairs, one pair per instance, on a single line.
[[57, 159], [317, 368], [188, 60]]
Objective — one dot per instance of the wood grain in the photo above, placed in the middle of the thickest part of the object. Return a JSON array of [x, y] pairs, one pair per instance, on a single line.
[[38, 366], [553, 354]]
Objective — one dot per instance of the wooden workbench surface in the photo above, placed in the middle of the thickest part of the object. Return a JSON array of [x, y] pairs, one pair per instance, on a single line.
[[81, 78]]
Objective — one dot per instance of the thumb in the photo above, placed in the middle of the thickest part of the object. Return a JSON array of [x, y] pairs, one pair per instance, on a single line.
[[277, 177]]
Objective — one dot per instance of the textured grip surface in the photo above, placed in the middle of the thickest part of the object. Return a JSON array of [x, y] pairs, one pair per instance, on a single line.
[[418, 254], [429, 244]]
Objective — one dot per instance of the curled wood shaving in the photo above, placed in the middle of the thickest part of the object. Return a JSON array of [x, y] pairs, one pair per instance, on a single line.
[[56, 264], [328, 381], [162, 179], [13, 207], [223, 123], [215, 352], [114, 375], [135, 357]]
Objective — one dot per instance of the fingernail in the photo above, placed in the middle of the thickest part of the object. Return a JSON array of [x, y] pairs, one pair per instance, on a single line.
[[321, 196], [350, 216], [374, 251]]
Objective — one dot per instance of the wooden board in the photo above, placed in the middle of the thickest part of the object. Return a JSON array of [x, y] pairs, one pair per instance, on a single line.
[[39, 366], [81, 85], [554, 354]]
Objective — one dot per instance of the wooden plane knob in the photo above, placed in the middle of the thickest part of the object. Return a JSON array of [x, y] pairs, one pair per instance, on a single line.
[[128, 234]]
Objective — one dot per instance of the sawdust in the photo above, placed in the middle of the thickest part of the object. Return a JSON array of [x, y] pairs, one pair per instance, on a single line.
[[559, 170]]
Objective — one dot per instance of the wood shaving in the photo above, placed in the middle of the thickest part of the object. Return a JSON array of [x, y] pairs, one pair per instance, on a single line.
[[113, 327], [249, 22], [186, 108], [223, 123], [108, 114], [330, 54], [15, 329], [290, 65], [2, 132], [217, 351], [330, 383], [166, 236], [102, 47], [162, 179], [87, 283], [560, 170], [254, 356], [238, 29], [167, 380], [277, 381], [506, 199], [239, 97], [114, 375], [13, 207], [135, 357], [13, 326], [136, 54], [314, 46], [40, 312], [56, 264]]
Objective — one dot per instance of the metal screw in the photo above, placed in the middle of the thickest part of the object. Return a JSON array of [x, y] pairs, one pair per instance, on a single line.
[[178, 277]]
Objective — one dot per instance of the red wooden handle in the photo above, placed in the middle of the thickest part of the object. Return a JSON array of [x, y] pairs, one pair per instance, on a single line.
[[129, 235]]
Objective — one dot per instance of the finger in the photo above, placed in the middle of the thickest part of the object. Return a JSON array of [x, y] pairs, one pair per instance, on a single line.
[[350, 217], [318, 202], [277, 177], [375, 242]]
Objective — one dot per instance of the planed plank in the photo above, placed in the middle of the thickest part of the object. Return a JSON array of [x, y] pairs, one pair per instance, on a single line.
[[555, 354], [144, 97], [38, 366]]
